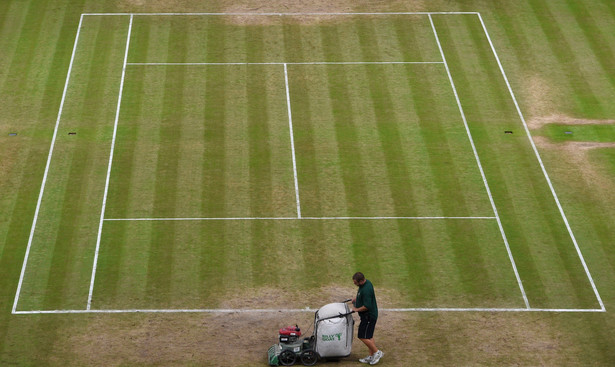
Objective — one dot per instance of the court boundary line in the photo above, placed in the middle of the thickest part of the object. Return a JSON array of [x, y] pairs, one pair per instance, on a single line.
[[543, 168], [307, 309], [104, 202], [284, 14], [480, 168], [47, 165]]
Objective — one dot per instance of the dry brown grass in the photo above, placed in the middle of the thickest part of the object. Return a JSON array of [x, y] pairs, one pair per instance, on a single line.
[[243, 339], [576, 154], [538, 122], [542, 106], [275, 6]]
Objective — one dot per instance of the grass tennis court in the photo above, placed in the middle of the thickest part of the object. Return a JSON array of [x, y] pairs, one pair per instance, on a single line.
[[206, 165], [235, 166]]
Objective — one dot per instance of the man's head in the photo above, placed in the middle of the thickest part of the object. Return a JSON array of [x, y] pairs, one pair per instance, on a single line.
[[358, 278]]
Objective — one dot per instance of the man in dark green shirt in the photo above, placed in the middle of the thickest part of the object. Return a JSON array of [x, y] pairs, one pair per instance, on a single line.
[[365, 304]]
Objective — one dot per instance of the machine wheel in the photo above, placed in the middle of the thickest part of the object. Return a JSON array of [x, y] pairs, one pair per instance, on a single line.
[[287, 358], [309, 357]]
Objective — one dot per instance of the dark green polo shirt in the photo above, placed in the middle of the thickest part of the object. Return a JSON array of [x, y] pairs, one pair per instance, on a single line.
[[366, 297]]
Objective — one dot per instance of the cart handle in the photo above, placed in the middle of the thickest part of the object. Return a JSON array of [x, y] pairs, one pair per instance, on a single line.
[[336, 316]]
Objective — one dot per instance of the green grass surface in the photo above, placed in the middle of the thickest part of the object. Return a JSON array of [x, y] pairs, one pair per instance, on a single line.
[[196, 141], [588, 133]]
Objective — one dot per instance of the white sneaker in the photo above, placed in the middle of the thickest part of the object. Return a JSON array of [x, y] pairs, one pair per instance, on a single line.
[[367, 359], [376, 357]]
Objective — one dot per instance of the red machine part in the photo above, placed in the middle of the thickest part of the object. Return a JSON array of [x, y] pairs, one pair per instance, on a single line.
[[290, 331]]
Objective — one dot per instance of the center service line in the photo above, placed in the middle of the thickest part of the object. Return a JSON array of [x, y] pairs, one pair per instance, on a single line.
[[292, 142]]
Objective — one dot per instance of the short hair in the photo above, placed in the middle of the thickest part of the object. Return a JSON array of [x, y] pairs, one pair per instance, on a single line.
[[358, 276]]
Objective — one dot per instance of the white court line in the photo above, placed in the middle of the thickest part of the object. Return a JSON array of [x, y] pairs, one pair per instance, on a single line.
[[292, 141], [104, 203], [544, 170], [307, 309], [282, 63], [280, 14], [40, 195], [289, 218], [480, 167]]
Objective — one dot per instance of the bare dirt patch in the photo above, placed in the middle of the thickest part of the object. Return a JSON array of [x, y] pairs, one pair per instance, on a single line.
[[242, 339], [313, 6], [543, 106], [161, 6], [540, 96], [577, 155], [322, 6], [271, 6], [538, 122]]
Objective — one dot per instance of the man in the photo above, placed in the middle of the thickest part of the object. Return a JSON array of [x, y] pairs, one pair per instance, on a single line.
[[365, 304]]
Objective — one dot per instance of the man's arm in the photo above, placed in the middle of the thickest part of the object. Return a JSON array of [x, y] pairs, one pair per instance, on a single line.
[[359, 309]]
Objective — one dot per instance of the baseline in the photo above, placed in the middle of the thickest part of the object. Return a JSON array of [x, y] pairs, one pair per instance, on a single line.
[[307, 309], [280, 14]]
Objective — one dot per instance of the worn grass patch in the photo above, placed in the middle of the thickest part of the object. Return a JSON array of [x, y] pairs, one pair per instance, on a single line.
[[242, 339]]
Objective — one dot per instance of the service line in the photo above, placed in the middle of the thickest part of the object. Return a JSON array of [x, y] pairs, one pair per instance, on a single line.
[[289, 218]]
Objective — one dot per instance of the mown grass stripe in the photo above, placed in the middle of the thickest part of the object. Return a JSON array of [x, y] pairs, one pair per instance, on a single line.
[[387, 124], [13, 19], [349, 156], [398, 184], [21, 65], [586, 102], [346, 134], [420, 282], [160, 269], [76, 187], [260, 170], [595, 38], [214, 134], [214, 252]]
